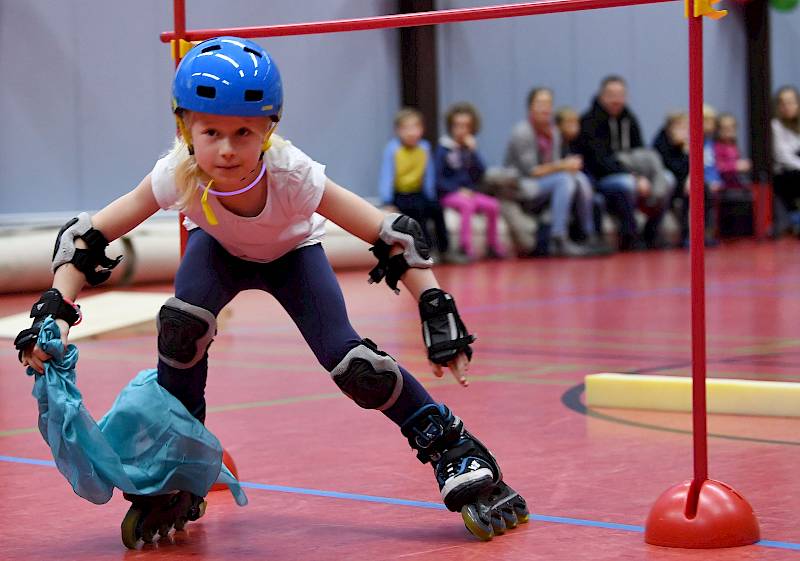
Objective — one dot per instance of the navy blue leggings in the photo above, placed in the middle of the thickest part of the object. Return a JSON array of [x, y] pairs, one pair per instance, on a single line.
[[303, 283]]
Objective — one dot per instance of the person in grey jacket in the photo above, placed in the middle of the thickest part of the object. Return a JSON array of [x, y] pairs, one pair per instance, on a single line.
[[786, 147], [534, 153]]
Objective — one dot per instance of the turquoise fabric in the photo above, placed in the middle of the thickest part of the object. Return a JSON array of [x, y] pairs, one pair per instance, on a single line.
[[147, 443]]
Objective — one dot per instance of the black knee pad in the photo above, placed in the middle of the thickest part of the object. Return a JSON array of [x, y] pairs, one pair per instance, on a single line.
[[369, 377], [185, 332]]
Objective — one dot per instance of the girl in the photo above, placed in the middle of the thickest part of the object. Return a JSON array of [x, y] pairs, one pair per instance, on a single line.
[[726, 153], [786, 147], [255, 208], [459, 171]]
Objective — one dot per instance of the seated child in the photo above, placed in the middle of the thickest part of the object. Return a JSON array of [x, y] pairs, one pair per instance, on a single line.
[[407, 179], [730, 164], [459, 171]]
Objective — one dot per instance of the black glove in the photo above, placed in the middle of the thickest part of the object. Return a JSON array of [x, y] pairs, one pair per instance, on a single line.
[[51, 303], [442, 329]]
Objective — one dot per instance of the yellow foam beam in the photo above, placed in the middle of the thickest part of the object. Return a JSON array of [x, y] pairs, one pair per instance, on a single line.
[[104, 313], [673, 393]]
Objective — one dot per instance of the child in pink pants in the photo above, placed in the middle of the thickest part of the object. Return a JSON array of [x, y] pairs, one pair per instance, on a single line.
[[459, 170]]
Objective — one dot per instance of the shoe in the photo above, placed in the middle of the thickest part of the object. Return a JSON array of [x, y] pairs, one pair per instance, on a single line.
[[562, 247], [456, 258], [494, 254], [597, 246]]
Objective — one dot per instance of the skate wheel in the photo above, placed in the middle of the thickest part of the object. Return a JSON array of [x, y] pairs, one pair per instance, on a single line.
[[521, 510], [499, 524], [180, 524], [148, 535], [196, 513], [163, 530], [509, 517], [483, 530], [131, 526]]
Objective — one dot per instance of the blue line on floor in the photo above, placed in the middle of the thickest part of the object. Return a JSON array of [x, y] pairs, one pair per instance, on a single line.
[[420, 504]]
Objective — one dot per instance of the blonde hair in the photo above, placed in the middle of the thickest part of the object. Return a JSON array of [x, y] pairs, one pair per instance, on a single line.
[[565, 113], [709, 111], [674, 117], [407, 113], [188, 173]]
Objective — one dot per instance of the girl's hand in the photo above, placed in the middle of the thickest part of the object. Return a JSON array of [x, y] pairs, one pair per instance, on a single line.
[[459, 367], [35, 357], [470, 142]]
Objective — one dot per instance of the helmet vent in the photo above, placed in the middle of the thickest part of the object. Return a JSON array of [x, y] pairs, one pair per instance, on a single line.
[[207, 91], [253, 95], [211, 48], [253, 51]]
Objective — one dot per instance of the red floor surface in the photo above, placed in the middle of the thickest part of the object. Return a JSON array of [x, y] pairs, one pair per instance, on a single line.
[[542, 325]]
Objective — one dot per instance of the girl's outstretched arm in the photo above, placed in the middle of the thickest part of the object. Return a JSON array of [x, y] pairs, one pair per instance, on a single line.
[[115, 220], [360, 218]]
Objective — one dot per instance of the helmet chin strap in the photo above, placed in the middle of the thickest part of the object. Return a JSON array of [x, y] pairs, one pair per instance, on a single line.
[[207, 210]]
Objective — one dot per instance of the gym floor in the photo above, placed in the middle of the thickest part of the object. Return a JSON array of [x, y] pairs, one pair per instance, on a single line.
[[327, 480]]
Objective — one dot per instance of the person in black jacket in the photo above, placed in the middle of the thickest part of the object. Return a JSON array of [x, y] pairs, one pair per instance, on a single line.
[[672, 143], [627, 173]]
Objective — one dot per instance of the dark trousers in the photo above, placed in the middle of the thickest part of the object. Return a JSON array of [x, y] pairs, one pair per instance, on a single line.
[[303, 283], [422, 209], [787, 189]]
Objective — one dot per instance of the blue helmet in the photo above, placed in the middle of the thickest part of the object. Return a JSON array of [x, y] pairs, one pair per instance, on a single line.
[[229, 76]]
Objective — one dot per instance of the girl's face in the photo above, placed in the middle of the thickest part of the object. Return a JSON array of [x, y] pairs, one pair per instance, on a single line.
[[678, 131], [727, 129], [228, 148], [788, 105], [570, 127], [709, 123], [461, 127], [410, 131]]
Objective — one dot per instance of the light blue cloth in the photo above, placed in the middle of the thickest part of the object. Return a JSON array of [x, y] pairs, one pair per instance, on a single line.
[[147, 443]]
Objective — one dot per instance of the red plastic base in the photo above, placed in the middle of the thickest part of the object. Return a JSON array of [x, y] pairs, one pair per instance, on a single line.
[[723, 518], [228, 461]]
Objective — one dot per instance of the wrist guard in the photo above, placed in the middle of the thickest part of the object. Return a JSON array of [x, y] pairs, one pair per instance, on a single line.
[[92, 261], [406, 232], [51, 303], [444, 333]]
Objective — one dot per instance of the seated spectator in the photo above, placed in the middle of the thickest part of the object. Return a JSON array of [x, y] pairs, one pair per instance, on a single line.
[[459, 171], [730, 164], [407, 178], [672, 144], [626, 173], [786, 148], [545, 178], [569, 125], [711, 174]]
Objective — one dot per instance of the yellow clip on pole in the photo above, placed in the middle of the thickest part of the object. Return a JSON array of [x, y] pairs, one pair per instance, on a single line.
[[185, 47], [704, 8]]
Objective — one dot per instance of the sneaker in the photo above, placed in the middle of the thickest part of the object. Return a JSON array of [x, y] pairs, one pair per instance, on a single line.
[[598, 246], [562, 247]]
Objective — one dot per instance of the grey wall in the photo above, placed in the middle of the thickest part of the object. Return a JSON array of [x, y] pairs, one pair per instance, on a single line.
[[495, 63], [86, 107], [785, 28]]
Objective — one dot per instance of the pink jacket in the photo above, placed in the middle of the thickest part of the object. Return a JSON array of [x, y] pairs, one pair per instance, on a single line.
[[726, 155]]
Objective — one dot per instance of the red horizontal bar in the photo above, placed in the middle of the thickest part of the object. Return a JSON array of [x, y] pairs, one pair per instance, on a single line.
[[409, 20]]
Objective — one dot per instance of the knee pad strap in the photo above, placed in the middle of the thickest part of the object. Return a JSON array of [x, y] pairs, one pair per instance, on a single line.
[[185, 332]]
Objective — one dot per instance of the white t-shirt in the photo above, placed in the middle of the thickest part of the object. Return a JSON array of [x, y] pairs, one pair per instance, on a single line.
[[295, 184]]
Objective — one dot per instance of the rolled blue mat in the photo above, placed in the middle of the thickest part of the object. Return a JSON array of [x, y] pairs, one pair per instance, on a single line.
[[147, 443]]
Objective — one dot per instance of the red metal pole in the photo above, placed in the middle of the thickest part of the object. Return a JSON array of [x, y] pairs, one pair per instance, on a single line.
[[179, 14], [697, 210], [409, 20]]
